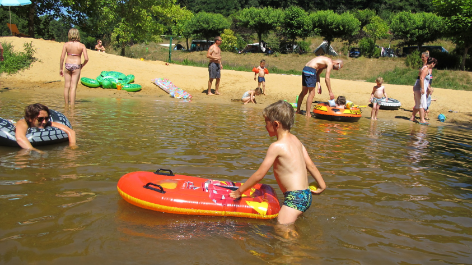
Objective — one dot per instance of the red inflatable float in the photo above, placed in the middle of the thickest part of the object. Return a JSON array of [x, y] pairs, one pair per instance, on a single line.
[[324, 111], [255, 70], [165, 192]]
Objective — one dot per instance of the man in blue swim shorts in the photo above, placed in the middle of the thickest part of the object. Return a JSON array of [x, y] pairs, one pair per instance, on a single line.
[[311, 79], [214, 66]]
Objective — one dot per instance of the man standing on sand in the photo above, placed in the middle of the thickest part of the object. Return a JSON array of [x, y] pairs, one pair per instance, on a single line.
[[311, 79], [215, 66]]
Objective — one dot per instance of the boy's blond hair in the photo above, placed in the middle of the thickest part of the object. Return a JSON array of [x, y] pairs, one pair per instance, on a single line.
[[282, 112], [73, 35], [379, 80], [262, 61]]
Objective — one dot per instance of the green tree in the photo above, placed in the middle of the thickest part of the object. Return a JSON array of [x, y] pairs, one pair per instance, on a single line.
[[260, 20], [230, 42], [376, 29], [417, 28], [458, 18], [295, 23], [180, 24], [330, 25], [364, 16], [208, 25]]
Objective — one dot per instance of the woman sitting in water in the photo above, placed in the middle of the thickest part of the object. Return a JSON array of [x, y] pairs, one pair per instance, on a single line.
[[37, 115], [74, 50]]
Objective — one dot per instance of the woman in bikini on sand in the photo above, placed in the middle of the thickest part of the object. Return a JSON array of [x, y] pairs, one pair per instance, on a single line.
[[73, 65]]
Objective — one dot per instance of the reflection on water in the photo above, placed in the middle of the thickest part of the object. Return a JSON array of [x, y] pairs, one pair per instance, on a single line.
[[397, 192]]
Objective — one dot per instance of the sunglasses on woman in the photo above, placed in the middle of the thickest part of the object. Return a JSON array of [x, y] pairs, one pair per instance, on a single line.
[[41, 119]]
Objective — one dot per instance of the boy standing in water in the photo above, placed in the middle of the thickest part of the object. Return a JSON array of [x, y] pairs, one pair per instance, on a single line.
[[291, 162], [376, 97], [261, 71]]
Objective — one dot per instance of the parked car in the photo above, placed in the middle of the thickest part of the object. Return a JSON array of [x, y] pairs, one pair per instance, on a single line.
[[355, 52], [255, 48], [200, 45], [410, 49]]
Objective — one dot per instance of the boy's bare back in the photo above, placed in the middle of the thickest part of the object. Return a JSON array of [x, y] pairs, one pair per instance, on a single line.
[[289, 164]]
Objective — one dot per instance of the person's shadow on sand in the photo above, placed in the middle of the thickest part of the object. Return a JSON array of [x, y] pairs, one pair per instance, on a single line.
[[206, 91]]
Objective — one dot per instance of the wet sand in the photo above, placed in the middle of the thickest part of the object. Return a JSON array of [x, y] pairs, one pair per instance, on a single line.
[[43, 76]]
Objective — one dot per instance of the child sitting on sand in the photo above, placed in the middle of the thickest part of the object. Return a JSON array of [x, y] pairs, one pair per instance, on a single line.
[[291, 163], [250, 96], [376, 97]]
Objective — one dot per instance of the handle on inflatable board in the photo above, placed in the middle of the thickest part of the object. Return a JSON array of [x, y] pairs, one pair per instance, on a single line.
[[161, 190], [228, 187], [158, 172]]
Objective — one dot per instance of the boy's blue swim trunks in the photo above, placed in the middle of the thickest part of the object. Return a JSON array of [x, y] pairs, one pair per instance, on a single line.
[[309, 77], [298, 199], [260, 79]]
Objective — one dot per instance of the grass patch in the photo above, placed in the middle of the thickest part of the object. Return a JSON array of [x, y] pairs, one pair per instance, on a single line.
[[456, 80], [16, 61]]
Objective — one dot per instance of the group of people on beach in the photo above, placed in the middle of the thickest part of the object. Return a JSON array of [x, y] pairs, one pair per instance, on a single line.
[[288, 156]]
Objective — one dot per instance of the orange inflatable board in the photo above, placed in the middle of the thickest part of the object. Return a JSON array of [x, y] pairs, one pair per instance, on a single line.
[[255, 70], [165, 192], [324, 111]]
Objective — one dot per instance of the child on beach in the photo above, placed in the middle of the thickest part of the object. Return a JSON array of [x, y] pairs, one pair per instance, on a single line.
[[250, 96], [291, 162], [376, 97], [261, 71]]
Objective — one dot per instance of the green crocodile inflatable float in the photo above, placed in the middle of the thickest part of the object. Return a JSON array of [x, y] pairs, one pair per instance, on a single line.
[[110, 79]]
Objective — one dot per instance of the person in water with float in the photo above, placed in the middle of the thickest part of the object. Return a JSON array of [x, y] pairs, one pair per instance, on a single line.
[[291, 163], [37, 115], [311, 79], [261, 71]]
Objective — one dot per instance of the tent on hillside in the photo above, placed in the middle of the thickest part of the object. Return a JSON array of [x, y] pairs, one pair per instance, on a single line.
[[323, 49]]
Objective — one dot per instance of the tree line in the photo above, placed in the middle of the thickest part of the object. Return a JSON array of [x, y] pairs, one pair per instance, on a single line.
[[124, 22]]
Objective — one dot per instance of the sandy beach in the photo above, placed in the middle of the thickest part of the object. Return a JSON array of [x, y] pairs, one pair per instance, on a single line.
[[44, 75]]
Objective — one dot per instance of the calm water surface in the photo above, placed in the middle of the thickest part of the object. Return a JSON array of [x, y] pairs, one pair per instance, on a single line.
[[398, 193]]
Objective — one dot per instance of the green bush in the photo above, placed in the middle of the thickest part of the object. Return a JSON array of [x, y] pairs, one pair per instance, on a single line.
[[367, 46], [16, 61], [304, 46], [413, 60]]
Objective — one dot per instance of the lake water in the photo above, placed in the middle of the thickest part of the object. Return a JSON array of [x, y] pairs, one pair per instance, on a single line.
[[398, 193]]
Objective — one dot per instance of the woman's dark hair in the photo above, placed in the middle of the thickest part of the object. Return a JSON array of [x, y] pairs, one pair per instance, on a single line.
[[32, 111], [432, 60]]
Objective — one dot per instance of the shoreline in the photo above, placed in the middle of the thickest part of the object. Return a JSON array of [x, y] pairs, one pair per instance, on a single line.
[[44, 75]]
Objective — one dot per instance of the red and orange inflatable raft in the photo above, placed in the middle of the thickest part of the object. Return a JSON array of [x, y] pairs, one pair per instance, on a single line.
[[165, 192], [323, 111]]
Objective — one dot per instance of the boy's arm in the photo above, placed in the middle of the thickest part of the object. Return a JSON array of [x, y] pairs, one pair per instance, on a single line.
[[385, 94], [259, 174], [69, 131], [372, 94], [314, 172]]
